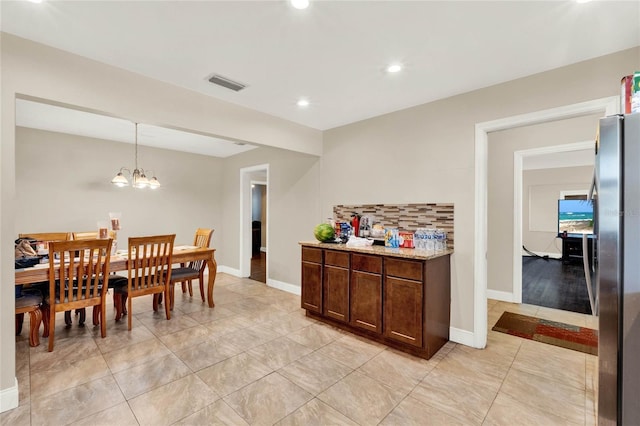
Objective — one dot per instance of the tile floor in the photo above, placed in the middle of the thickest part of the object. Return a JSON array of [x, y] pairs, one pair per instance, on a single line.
[[256, 359]]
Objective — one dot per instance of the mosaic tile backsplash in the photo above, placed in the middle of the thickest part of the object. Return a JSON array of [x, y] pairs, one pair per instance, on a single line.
[[405, 217]]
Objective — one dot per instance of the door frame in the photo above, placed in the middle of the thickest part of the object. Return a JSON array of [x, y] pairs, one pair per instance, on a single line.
[[245, 217], [606, 106]]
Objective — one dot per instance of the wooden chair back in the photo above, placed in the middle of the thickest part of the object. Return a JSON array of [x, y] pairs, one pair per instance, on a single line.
[[47, 236], [149, 263], [90, 235], [78, 272], [203, 237]]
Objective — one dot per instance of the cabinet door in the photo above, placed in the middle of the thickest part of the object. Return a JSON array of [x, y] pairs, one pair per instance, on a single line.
[[312, 287], [336, 293], [403, 310], [366, 301]]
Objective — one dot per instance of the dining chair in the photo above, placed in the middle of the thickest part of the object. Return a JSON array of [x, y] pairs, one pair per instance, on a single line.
[[90, 235], [46, 236], [31, 302], [148, 272], [77, 272], [194, 270]]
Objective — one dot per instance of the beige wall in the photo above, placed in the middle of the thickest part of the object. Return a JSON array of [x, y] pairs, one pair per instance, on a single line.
[[540, 194], [293, 208], [34, 70], [426, 153], [62, 183], [502, 146]]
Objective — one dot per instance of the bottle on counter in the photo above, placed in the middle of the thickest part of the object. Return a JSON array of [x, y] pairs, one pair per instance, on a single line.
[[355, 224]]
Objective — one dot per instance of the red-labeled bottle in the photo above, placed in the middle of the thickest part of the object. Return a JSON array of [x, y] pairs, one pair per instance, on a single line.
[[355, 224]]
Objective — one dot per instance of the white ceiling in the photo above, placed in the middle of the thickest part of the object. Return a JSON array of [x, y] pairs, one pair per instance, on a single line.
[[333, 53], [582, 157]]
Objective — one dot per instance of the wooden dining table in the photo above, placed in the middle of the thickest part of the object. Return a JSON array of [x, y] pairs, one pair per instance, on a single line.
[[119, 262]]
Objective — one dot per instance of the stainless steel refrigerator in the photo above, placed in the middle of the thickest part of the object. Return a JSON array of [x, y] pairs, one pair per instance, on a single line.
[[618, 274]]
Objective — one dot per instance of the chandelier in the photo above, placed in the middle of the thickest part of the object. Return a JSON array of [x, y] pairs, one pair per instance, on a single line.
[[138, 177]]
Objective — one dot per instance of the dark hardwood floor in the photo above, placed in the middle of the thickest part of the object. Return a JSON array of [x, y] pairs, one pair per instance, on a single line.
[[555, 285], [259, 267]]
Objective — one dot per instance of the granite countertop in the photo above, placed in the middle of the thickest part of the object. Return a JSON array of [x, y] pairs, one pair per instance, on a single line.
[[407, 253]]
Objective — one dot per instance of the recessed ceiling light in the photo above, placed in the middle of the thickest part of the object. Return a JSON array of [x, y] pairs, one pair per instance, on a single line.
[[583, 1], [394, 68], [35, 1], [300, 4], [303, 103]]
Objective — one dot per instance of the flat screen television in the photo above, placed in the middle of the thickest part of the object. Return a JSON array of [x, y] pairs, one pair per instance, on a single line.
[[575, 217]]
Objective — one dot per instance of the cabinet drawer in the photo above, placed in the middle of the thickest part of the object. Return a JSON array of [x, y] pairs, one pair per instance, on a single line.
[[364, 263], [311, 255], [336, 258], [411, 270]]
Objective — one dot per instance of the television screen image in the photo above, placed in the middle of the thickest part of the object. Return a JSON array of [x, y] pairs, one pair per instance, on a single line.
[[575, 216]]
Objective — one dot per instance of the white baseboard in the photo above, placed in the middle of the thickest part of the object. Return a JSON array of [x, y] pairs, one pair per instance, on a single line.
[[227, 270], [263, 249], [289, 288], [9, 398], [503, 296], [463, 337]]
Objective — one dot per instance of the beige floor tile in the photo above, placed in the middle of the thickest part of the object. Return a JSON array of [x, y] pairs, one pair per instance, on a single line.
[[20, 416], [65, 352], [279, 352], [158, 324], [316, 413], [122, 338], [468, 401], [173, 401], [411, 412], [552, 362], [135, 354], [144, 377], [63, 377], [507, 411], [205, 314], [289, 323], [227, 325], [484, 362], [216, 414], [267, 400], [397, 370], [361, 398], [315, 373], [210, 352], [315, 336], [591, 373], [517, 308], [545, 395], [185, 338], [120, 415], [251, 337], [234, 373], [74, 404], [351, 351], [264, 315]]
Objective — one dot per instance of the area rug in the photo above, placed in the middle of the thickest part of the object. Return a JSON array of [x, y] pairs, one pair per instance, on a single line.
[[554, 333]]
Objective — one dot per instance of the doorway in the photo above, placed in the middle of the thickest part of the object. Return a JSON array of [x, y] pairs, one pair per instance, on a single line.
[[258, 231], [250, 179], [542, 176], [605, 106]]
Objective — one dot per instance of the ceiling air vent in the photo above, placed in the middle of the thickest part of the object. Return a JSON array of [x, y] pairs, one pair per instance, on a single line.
[[225, 82]]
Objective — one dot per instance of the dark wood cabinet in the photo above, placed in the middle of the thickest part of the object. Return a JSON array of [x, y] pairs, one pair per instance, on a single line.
[[366, 292], [399, 301], [336, 285], [366, 301], [311, 298], [403, 310]]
